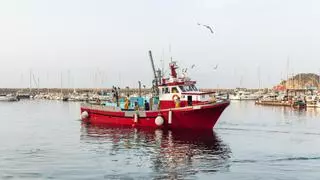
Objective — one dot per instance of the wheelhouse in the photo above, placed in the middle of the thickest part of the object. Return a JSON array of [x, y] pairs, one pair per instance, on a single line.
[[183, 88]]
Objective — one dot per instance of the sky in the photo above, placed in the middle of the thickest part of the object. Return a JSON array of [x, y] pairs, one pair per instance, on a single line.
[[101, 43]]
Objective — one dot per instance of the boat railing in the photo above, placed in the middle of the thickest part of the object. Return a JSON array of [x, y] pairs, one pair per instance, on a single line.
[[99, 107]]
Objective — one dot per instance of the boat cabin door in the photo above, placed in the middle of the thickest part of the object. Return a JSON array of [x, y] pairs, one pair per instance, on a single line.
[[189, 100]]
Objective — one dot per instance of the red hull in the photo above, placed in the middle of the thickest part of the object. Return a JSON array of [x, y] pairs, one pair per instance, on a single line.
[[194, 117]]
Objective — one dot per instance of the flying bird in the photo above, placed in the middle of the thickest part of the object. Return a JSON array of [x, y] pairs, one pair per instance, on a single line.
[[216, 67], [193, 65], [209, 27]]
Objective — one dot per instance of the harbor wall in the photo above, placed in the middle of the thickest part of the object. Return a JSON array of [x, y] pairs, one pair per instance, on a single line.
[[4, 91]]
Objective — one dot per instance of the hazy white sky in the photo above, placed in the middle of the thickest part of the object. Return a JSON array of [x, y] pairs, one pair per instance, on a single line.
[[103, 43]]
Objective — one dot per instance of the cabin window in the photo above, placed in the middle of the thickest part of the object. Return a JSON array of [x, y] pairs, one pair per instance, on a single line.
[[188, 88], [182, 88], [165, 90], [194, 88], [174, 90]]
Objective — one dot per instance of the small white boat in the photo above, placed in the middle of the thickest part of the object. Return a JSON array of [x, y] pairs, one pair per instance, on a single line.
[[243, 95], [9, 97], [312, 101]]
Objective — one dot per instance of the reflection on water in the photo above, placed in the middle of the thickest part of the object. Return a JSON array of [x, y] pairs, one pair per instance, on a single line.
[[43, 140], [250, 115], [166, 153]]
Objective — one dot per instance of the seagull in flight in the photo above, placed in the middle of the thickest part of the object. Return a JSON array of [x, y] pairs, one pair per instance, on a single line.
[[207, 26]]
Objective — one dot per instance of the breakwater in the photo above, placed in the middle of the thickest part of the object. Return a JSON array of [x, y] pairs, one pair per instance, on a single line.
[[4, 91]]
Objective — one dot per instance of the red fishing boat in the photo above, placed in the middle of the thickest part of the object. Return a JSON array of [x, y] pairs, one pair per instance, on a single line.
[[180, 105]]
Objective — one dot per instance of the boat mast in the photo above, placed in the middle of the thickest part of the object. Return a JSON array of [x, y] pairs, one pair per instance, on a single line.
[[61, 82], [287, 81], [139, 82], [156, 82], [30, 81], [259, 77], [318, 79]]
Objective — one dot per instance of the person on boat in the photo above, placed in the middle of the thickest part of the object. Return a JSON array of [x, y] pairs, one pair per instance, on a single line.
[[136, 106], [174, 90], [213, 99], [98, 101], [126, 104], [177, 102], [146, 105], [151, 103]]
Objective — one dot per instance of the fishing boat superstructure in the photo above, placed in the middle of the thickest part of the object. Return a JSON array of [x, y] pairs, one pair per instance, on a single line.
[[180, 105]]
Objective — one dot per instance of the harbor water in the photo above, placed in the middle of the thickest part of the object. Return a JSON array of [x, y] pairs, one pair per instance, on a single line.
[[45, 140]]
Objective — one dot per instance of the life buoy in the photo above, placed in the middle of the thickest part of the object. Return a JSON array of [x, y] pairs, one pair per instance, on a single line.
[[159, 121], [84, 115], [174, 97]]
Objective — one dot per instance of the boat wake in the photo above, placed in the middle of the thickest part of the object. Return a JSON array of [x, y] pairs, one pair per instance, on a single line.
[[270, 131], [296, 159], [301, 158]]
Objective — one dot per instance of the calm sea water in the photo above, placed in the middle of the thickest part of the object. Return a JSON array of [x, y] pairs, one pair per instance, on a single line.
[[45, 140]]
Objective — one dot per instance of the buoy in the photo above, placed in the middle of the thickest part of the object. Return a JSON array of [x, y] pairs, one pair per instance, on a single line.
[[174, 97], [84, 115], [159, 121]]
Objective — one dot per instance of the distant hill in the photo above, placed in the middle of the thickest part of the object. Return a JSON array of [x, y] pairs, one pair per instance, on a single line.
[[302, 81]]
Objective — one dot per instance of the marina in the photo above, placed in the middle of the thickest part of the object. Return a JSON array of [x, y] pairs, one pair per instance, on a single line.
[[160, 90], [44, 139]]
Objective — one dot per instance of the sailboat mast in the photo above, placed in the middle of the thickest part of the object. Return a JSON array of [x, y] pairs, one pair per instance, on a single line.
[[300, 83], [30, 81], [319, 79], [61, 82], [287, 84], [259, 76]]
